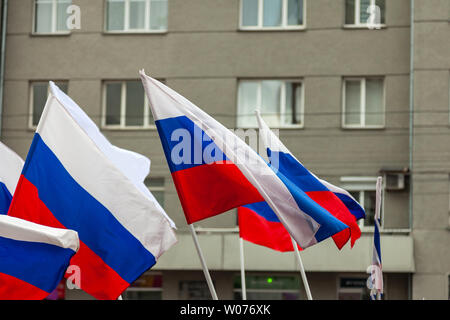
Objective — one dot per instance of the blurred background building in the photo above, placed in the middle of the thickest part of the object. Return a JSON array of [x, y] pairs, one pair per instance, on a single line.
[[352, 102]]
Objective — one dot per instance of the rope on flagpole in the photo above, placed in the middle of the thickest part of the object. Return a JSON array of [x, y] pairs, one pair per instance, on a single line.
[[212, 290], [302, 270], [243, 285]]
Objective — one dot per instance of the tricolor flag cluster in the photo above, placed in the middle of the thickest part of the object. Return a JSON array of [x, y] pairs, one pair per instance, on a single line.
[[74, 179], [259, 224], [215, 171], [80, 200]]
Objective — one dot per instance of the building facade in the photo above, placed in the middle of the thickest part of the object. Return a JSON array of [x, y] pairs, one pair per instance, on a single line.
[[342, 92]]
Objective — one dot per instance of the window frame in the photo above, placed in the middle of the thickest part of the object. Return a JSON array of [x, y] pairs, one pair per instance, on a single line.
[[354, 275], [123, 98], [54, 32], [357, 18], [362, 124], [340, 289], [147, 289], [31, 126], [161, 188], [282, 102], [126, 22], [284, 14], [361, 185]]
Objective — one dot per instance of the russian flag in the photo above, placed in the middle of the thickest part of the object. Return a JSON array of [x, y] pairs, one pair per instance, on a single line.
[[334, 200], [214, 171], [72, 179], [10, 167], [260, 225], [377, 266], [33, 258]]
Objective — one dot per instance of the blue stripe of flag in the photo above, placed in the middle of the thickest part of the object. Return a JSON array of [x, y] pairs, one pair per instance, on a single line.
[[376, 241], [5, 198], [76, 209], [264, 210], [190, 145], [354, 208], [40, 264], [295, 171]]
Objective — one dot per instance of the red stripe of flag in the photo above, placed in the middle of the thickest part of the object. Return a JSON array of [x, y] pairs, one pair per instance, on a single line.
[[203, 198], [95, 274], [254, 228], [12, 288]]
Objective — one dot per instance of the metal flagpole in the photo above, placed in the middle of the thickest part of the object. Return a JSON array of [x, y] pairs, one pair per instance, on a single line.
[[202, 260], [302, 270], [243, 286]]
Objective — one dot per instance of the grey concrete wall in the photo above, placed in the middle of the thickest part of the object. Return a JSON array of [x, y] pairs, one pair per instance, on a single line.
[[431, 151], [187, 58], [222, 253]]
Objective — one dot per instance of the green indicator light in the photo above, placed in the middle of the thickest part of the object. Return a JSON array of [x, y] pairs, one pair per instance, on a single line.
[[269, 280]]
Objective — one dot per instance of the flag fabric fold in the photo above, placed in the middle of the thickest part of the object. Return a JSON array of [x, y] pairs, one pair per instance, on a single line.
[[256, 223], [376, 267], [33, 258], [10, 167], [214, 171], [74, 178], [260, 225]]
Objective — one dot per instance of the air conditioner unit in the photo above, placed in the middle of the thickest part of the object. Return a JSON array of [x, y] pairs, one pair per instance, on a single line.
[[394, 181]]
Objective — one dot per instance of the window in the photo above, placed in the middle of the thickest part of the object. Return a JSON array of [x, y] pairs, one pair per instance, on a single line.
[[194, 290], [272, 14], [50, 16], [147, 287], [352, 288], [125, 105], [366, 199], [136, 15], [38, 97], [268, 287], [357, 12], [363, 189], [156, 187], [280, 103], [363, 103]]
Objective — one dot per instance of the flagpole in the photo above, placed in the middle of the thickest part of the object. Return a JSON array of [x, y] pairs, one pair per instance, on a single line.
[[243, 286], [376, 259], [302, 270], [212, 290]]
